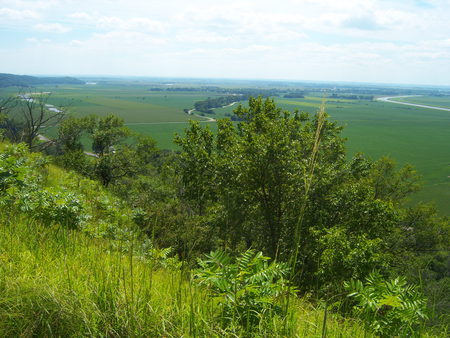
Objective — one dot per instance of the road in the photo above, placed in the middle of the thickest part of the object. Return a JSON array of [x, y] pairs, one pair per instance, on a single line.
[[388, 99]]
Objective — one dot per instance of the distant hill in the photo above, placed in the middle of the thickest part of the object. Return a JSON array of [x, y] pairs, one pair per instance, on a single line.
[[8, 80]]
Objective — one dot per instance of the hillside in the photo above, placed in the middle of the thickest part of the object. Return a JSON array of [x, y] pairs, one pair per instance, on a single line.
[[77, 265], [10, 80]]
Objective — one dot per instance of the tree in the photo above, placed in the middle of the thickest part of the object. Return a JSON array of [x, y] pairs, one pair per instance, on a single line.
[[112, 166], [257, 173], [197, 168], [113, 159], [6, 105], [106, 132], [70, 131], [279, 182], [69, 145], [37, 114]]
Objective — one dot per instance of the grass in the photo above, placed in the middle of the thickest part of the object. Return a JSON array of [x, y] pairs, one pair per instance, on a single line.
[[56, 282]]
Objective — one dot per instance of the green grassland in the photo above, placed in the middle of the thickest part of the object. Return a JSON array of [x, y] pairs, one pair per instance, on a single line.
[[164, 133]]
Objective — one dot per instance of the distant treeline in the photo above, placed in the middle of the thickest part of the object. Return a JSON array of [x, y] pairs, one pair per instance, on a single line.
[[10, 80], [386, 91], [246, 92], [209, 104], [339, 92], [295, 95], [240, 94], [351, 97]]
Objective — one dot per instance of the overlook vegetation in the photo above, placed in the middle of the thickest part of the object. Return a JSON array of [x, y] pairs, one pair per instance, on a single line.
[[132, 240]]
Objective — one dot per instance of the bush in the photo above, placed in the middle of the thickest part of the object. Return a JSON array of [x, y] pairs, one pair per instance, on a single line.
[[21, 178], [247, 290], [388, 308], [50, 207]]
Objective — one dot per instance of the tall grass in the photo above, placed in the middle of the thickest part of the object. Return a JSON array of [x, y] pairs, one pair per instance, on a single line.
[[59, 282]]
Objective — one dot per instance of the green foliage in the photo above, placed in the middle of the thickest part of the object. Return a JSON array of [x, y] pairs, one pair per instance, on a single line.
[[21, 177], [18, 168], [51, 206], [280, 182], [106, 133], [209, 104], [70, 131], [196, 166], [423, 257], [109, 167], [248, 289], [393, 184], [388, 308], [113, 159], [344, 255]]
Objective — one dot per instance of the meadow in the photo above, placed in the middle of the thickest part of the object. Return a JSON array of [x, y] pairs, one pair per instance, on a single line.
[[413, 135]]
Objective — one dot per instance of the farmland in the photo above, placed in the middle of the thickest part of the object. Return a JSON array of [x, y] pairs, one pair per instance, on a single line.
[[409, 134]]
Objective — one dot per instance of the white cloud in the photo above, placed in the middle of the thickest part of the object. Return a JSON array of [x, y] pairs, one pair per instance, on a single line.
[[132, 24], [52, 28], [307, 39], [140, 24], [202, 36], [14, 14], [81, 16]]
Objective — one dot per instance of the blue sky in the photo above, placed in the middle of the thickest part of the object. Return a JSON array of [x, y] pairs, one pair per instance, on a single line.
[[402, 41]]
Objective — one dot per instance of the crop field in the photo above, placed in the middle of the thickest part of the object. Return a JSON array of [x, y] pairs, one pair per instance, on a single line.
[[134, 104], [413, 135]]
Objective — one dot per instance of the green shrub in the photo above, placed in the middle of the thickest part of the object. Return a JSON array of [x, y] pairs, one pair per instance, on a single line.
[[246, 290], [52, 206], [388, 308], [21, 189]]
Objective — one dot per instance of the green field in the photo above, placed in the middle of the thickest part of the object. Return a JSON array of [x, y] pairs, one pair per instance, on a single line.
[[134, 104], [414, 135]]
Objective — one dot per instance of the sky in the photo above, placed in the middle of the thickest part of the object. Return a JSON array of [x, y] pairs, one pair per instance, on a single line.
[[401, 41]]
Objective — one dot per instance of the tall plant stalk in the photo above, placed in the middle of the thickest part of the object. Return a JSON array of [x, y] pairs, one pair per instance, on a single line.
[[308, 176]]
